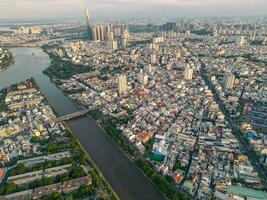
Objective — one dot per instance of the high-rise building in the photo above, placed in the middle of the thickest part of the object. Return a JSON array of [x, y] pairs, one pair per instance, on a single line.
[[157, 40], [123, 42], [241, 40], [109, 33], [117, 30], [36, 30], [170, 26], [98, 33], [112, 44], [94, 33], [24, 30], [148, 68], [88, 24], [142, 78], [188, 73], [125, 33], [229, 80], [153, 58], [122, 84]]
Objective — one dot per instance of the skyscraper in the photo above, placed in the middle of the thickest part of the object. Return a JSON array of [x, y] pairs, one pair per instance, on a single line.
[[142, 78], [125, 34], [229, 80], [153, 58], [188, 73], [122, 84], [169, 26], [98, 32], [88, 24], [112, 44]]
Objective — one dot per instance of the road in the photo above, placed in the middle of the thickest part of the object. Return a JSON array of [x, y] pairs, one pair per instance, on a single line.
[[124, 177], [235, 129]]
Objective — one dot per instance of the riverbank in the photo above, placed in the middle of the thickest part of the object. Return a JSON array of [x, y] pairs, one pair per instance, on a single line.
[[165, 184], [51, 139], [84, 158], [123, 176], [6, 59]]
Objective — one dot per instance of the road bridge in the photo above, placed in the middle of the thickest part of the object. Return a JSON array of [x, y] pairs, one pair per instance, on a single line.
[[71, 116]]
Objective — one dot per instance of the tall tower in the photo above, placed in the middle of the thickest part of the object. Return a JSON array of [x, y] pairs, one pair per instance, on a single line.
[[229, 80], [188, 73], [88, 24], [122, 84]]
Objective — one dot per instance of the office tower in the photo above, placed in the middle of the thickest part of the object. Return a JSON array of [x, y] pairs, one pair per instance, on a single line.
[[109, 33], [148, 68], [170, 26], [117, 31], [253, 36], [110, 36], [88, 24], [122, 84], [153, 58], [123, 42], [145, 79], [125, 33], [241, 41], [229, 80], [188, 73], [101, 32], [157, 40], [98, 33], [112, 44], [94, 33]]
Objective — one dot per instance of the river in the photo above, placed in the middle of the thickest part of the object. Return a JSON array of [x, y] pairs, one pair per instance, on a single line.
[[123, 176]]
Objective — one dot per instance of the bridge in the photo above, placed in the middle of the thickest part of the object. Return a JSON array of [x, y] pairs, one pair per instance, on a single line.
[[70, 116]]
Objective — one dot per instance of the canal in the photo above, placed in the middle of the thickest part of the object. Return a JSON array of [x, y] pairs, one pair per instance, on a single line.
[[124, 177]]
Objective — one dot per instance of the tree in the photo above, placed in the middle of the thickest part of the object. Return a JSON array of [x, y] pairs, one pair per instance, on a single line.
[[76, 172], [11, 188], [35, 139], [2, 189], [53, 196], [19, 169], [48, 181]]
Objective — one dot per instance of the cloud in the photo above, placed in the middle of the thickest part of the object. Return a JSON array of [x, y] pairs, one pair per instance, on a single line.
[[126, 8]]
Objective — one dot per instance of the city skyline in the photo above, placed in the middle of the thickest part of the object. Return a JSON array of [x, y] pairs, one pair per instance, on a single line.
[[133, 99], [38, 9]]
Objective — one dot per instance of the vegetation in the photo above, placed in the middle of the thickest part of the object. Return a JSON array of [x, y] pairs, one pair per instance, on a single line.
[[177, 165], [6, 61], [7, 188], [165, 185], [19, 169], [2, 99], [60, 69]]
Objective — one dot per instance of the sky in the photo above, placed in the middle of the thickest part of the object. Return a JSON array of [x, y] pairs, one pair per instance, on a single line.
[[38, 9]]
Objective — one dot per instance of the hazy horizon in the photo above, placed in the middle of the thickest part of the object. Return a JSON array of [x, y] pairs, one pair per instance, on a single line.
[[74, 9]]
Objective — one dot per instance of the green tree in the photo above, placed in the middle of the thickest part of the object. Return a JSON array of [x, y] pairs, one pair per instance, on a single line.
[[11, 188]]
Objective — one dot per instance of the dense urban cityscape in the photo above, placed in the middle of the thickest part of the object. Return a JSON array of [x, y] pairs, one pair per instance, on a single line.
[[180, 105]]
